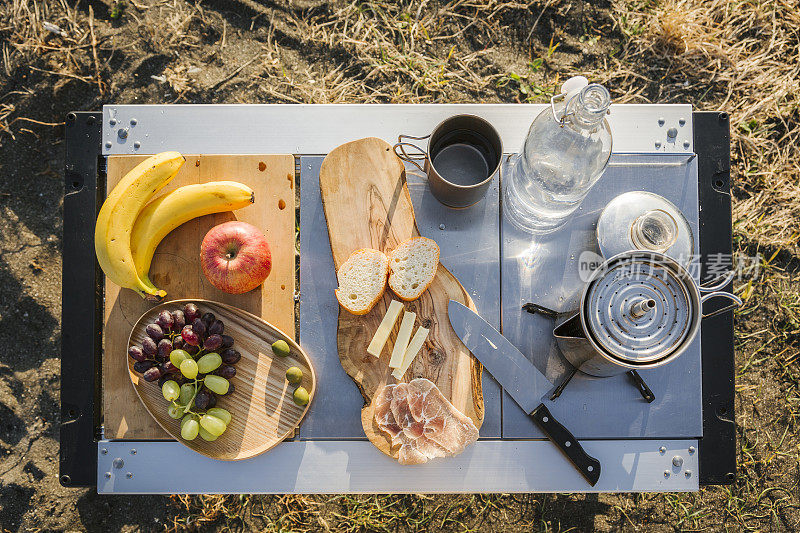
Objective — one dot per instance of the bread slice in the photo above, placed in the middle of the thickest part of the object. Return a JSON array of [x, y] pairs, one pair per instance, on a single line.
[[362, 280], [412, 267]]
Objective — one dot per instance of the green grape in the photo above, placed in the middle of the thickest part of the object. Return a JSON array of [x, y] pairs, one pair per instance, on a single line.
[[170, 390], [209, 362], [206, 436], [187, 391], [175, 411], [217, 384], [190, 429], [189, 368], [220, 413], [186, 418], [178, 356], [213, 425], [281, 348]]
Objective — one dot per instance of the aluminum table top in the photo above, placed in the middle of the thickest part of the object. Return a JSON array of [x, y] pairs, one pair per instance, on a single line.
[[492, 262]]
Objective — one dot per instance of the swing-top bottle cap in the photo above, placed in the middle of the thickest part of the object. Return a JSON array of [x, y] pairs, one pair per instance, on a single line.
[[573, 85]]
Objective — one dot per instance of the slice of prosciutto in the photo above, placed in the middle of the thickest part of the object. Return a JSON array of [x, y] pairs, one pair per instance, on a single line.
[[417, 416]]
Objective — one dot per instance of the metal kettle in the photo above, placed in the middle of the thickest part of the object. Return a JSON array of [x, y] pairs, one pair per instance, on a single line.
[[639, 310]]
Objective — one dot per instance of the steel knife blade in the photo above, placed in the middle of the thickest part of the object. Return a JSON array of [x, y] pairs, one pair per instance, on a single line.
[[522, 380]]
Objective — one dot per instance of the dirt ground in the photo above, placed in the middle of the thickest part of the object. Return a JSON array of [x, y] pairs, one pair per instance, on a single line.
[[740, 56]]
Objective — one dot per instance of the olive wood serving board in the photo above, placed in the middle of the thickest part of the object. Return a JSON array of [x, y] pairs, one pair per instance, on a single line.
[[263, 412], [367, 205], [176, 269]]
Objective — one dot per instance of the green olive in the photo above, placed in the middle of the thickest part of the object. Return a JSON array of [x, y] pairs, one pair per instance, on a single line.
[[281, 348], [300, 396], [294, 375]]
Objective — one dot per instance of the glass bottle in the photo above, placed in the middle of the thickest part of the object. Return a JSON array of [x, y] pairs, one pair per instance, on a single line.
[[566, 151]]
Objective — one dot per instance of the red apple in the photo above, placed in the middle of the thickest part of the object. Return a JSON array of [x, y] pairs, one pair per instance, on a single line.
[[235, 257]]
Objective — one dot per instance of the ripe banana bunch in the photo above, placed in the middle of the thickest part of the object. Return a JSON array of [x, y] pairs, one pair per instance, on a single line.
[[129, 229]]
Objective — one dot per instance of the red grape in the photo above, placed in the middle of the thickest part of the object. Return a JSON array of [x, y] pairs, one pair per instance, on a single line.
[[165, 320], [178, 320], [190, 337], [227, 341], [230, 389], [216, 328], [199, 327], [164, 347], [190, 312], [208, 318], [154, 331], [212, 342], [212, 400], [152, 374], [163, 379], [177, 342], [169, 368], [136, 353], [230, 356], [143, 366], [149, 346], [226, 371], [201, 400]]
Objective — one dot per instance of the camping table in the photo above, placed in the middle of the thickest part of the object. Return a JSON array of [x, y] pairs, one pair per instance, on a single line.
[[682, 440]]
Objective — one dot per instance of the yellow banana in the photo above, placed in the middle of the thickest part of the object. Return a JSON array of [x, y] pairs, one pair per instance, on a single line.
[[112, 234], [169, 211]]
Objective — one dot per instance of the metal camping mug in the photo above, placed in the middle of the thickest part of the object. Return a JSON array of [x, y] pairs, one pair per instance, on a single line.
[[464, 154]]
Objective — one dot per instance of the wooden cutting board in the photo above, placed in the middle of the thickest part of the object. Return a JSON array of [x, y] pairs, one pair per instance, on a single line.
[[176, 269], [367, 205]]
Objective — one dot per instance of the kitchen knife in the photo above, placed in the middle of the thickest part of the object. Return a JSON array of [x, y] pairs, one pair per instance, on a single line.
[[523, 381]]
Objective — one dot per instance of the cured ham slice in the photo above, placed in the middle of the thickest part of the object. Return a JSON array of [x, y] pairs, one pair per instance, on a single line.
[[417, 416], [383, 413]]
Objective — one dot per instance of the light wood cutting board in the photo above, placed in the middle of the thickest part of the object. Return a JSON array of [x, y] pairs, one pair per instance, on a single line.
[[367, 205], [176, 269]]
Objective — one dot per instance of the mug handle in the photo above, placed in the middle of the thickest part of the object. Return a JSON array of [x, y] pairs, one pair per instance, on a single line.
[[413, 158]]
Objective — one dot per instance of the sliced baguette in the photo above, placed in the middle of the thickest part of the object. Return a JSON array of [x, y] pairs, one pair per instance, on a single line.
[[412, 267], [362, 280]]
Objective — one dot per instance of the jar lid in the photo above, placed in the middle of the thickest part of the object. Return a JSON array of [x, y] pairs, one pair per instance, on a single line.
[[640, 220], [638, 309]]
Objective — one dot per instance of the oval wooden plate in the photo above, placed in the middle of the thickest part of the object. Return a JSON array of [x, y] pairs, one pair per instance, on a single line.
[[262, 408]]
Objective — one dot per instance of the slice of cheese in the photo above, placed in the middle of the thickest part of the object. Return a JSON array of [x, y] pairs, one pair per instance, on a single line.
[[411, 352], [384, 329], [403, 336]]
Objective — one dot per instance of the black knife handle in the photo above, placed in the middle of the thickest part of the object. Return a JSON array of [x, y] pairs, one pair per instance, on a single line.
[[588, 466]]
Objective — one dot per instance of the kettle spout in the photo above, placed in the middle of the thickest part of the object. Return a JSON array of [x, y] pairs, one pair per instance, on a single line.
[[571, 328]]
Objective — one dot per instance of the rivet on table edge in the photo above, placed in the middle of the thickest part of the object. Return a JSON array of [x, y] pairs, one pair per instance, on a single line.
[[113, 122], [686, 144], [688, 473], [137, 145], [677, 461], [134, 122], [108, 144], [129, 475], [122, 133], [672, 133], [662, 450], [104, 451], [658, 144], [666, 473], [441, 226], [682, 121], [118, 462], [661, 121], [108, 475], [133, 451], [691, 449]]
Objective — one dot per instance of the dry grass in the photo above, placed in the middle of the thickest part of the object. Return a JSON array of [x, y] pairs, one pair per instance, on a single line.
[[741, 56]]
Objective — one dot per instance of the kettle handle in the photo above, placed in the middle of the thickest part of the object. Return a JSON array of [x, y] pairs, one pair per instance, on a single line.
[[717, 283], [737, 302]]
